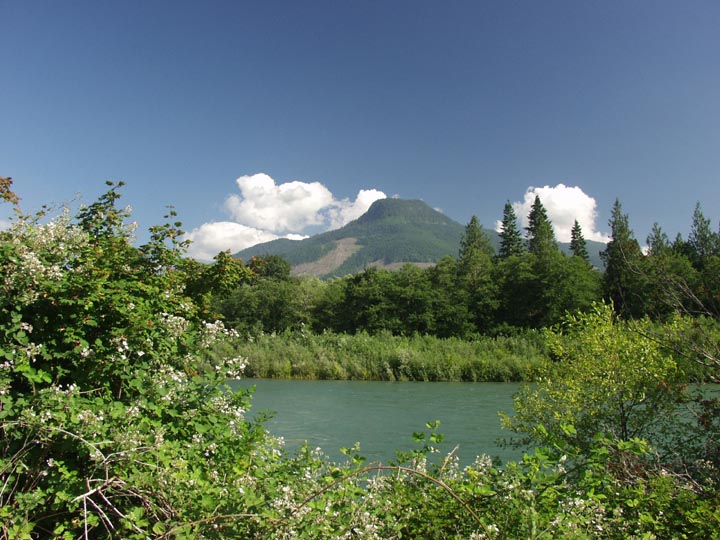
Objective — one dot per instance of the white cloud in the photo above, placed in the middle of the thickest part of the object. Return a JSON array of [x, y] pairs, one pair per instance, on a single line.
[[343, 212], [265, 210], [564, 204], [211, 238], [292, 206], [4, 225]]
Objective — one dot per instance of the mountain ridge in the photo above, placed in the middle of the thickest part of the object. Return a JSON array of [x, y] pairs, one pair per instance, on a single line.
[[392, 232]]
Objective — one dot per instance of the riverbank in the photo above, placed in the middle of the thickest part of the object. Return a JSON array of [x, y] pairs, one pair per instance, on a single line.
[[385, 357]]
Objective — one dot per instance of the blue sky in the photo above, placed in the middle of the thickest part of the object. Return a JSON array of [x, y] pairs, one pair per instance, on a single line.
[[464, 104]]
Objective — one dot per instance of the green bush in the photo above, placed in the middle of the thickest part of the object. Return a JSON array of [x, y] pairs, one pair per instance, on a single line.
[[114, 414]]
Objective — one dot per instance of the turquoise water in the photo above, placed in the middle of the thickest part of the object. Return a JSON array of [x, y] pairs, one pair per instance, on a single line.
[[382, 416]]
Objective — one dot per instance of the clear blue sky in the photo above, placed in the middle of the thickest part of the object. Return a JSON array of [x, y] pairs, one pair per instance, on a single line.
[[464, 104]]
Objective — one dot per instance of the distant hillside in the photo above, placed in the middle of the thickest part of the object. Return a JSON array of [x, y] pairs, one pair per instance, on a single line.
[[392, 232]]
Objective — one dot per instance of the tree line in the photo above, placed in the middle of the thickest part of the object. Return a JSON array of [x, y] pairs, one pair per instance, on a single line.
[[527, 283]]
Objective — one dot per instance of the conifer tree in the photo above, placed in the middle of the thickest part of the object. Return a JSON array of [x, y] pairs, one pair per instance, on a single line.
[[474, 243], [578, 246], [511, 241], [475, 270], [657, 241], [622, 257], [702, 242], [679, 245], [541, 239]]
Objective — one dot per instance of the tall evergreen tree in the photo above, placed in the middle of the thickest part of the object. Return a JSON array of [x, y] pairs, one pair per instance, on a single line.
[[511, 241], [475, 272], [680, 246], [622, 257], [657, 241], [702, 242], [475, 247], [541, 239], [578, 246]]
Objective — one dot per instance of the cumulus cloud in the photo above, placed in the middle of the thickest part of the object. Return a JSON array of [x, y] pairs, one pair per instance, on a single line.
[[292, 206], [211, 238], [343, 212], [265, 210], [564, 204]]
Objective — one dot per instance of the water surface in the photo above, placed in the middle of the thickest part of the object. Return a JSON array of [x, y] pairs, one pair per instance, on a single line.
[[382, 416]]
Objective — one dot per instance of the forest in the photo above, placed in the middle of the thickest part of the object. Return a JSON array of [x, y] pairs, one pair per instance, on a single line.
[[479, 296], [528, 284], [117, 419]]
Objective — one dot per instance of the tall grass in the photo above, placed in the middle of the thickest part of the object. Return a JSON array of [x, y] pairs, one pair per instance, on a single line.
[[384, 357]]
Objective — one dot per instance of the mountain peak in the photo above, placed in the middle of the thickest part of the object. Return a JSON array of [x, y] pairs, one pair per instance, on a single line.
[[390, 233], [403, 211]]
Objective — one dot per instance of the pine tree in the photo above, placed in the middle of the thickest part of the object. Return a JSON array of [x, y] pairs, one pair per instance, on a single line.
[[622, 257], [511, 242], [578, 246], [475, 270], [657, 241], [702, 242], [541, 239], [474, 242]]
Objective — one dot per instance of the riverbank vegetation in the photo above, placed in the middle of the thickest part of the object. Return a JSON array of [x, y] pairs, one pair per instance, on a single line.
[[384, 357], [116, 420], [494, 301]]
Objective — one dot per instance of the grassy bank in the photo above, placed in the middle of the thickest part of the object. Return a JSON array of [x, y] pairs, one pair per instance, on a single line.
[[385, 357]]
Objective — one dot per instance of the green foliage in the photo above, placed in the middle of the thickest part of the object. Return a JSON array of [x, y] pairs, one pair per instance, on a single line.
[[107, 374], [205, 281], [511, 241], [393, 358], [475, 272], [623, 282], [270, 267], [116, 420], [578, 246], [540, 236], [604, 378], [473, 244], [657, 241], [450, 304], [703, 243], [267, 305]]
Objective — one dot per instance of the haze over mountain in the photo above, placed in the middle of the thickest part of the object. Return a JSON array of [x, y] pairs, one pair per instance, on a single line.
[[391, 233]]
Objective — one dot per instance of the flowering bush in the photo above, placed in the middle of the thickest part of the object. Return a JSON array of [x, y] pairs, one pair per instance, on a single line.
[[114, 412]]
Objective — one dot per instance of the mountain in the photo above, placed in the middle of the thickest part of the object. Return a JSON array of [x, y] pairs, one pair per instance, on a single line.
[[392, 232]]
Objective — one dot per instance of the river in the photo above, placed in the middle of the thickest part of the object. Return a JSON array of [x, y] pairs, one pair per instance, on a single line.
[[382, 416]]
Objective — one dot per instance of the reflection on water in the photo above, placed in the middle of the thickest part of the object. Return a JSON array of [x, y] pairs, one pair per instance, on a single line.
[[382, 416]]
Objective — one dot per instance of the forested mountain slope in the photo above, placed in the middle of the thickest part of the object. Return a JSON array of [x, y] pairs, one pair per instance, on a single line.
[[392, 232]]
